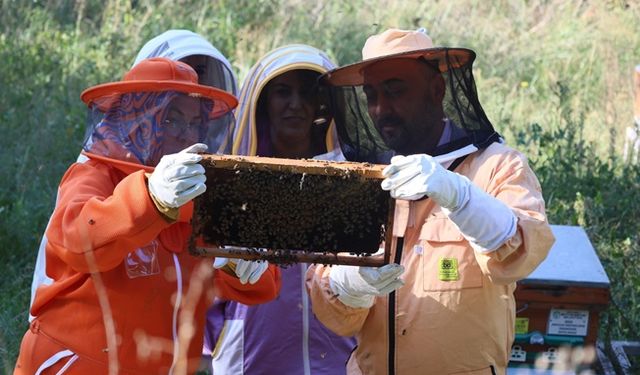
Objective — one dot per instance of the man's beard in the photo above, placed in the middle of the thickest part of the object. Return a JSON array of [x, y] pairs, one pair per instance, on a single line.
[[397, 138], [407, 138]]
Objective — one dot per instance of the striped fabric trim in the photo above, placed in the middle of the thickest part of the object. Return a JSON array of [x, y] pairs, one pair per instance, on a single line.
[[274, 63]]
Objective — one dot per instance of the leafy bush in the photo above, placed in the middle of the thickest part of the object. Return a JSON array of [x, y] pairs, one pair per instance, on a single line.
[[554, 75], [598, 193]]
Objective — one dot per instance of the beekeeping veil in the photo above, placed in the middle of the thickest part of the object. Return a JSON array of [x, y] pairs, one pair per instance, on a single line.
[[213, 70], [468, 128], [157, 109], [248, 137], [212, 67]]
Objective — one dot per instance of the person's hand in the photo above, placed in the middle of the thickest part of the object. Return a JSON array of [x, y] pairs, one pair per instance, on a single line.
[[414, 176], [358, 286], [246, 270], [483, 220], [178, 178]]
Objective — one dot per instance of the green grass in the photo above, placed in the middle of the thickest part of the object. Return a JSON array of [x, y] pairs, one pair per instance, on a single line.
[[554, 77]]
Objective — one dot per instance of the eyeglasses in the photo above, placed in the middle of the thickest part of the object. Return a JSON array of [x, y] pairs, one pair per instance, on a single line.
[[178, 126]]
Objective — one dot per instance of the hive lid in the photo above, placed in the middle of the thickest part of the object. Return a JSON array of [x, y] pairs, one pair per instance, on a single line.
[[572, 261]]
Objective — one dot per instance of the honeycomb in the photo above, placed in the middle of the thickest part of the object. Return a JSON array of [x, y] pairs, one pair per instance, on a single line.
[[300, 205]]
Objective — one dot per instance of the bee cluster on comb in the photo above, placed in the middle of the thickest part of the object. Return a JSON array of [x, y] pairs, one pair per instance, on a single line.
[[293, 208]]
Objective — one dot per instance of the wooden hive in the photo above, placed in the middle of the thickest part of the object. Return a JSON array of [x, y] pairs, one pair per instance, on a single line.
[[559, 304], [300, 210]]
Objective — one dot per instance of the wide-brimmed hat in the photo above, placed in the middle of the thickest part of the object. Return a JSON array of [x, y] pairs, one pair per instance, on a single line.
[[159, 74], [399, 44]]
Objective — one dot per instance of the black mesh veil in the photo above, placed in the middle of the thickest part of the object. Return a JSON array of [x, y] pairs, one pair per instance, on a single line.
[[358, 136], [468, 123]]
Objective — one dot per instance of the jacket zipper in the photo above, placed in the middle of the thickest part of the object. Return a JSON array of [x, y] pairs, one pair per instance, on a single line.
[[305, 321]]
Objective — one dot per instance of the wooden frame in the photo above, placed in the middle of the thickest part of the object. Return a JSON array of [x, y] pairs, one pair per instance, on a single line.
[[335, 177]]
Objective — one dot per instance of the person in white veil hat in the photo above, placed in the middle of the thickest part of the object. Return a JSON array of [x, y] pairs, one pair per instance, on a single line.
[[212, 66]]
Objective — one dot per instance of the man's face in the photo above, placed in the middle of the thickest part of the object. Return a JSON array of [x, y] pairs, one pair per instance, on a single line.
[[404, 100]]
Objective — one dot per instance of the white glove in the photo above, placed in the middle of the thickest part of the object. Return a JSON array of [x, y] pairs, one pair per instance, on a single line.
[[246, 270], [414, 176], [358, 286], [485, 221], [178, 178]]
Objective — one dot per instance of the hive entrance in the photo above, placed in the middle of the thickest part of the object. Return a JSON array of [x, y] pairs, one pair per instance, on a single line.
[[301, 210]]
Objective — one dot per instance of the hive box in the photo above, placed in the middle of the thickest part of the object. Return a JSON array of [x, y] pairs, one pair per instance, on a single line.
[[560, 303]]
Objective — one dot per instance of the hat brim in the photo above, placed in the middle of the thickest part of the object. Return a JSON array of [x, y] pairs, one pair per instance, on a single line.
[[104, 90], [353, 74]]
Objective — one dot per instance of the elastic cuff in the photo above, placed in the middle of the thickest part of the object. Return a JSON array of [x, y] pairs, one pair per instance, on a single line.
[[485, 221], [489, 248], [362, 302], [170, 214], [229, 268]]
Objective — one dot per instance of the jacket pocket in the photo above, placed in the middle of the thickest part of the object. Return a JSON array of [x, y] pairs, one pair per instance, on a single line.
[[448, 262]]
